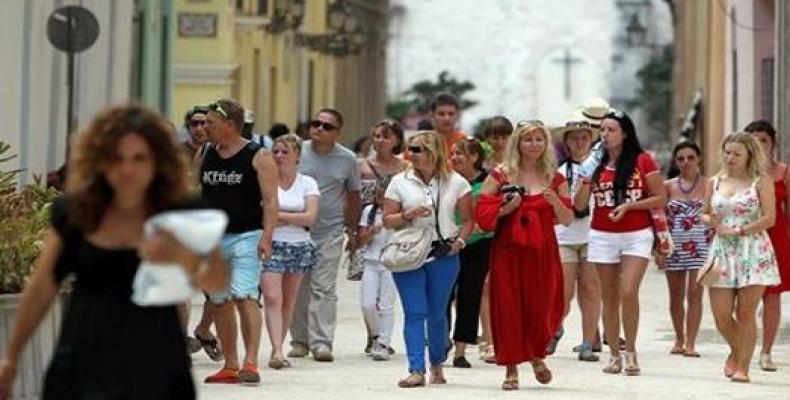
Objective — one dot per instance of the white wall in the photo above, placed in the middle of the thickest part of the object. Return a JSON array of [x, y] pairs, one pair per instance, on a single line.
[[33, 91], [500, 46]]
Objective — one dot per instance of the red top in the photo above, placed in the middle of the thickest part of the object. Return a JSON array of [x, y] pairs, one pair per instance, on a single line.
[[603, 195]]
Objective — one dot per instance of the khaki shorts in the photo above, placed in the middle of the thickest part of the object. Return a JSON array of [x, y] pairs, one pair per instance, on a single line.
[[573, 253]]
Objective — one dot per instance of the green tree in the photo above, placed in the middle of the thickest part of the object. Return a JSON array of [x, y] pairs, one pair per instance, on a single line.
[[419, 96], [654, 96]]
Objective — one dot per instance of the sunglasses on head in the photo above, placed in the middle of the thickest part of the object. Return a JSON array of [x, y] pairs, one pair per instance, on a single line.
[[416, 149], [323, 125], [218, 108], [524, 123], [617, 114], [578, 124], [196, 123]]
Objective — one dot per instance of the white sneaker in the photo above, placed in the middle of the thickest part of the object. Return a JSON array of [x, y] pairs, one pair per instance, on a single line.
[[380, 352]]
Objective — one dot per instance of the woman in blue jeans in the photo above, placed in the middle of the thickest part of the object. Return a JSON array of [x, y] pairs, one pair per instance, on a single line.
[[431, 191]]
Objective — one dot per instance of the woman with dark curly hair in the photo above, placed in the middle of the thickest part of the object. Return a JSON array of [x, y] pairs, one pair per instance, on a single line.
[[126, 167]]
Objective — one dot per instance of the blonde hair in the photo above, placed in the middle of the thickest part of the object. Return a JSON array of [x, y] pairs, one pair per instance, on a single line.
[[511, 162], [434, 145], [757, 158], [291, 141]]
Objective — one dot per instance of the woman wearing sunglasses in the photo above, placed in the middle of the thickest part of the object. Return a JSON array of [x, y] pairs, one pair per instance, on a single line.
[[430, 193], [521, 201], [625, 186]]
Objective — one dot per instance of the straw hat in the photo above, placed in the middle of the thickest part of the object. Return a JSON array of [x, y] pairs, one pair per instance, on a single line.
[[576, 122], [595, 109]]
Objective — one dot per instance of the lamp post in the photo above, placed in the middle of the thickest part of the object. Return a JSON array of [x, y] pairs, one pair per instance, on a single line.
[[287, 15], [345, 34], [636, 32]]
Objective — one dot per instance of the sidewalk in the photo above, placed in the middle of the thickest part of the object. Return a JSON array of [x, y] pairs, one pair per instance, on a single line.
[[354, 376]]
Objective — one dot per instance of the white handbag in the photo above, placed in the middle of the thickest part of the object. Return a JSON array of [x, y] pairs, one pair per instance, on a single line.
[[407, 249]]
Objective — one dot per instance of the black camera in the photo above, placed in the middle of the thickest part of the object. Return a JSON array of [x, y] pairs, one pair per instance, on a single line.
[[440, 248], [511, 190]]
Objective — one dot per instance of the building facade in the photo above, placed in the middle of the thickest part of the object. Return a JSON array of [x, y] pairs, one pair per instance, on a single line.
[[728, 69], [282, 59]]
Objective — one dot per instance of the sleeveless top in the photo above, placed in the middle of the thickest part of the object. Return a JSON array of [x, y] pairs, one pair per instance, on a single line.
[[369, 186], [745, 260], [779, 236], [231, 185], [689, 234]]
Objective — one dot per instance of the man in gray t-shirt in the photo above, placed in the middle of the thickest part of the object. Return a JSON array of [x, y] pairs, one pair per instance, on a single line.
[[334, 167]]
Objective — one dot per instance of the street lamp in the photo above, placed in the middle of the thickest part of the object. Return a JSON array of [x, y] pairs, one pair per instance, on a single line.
[[636, 32], [345, 34], [288, 14]]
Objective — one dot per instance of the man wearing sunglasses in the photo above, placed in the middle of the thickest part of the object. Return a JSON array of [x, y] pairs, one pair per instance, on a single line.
[[195, 125], [335, 169], [240, 178]]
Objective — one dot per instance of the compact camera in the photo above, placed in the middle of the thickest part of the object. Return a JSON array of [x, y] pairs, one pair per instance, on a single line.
[[511, 190]]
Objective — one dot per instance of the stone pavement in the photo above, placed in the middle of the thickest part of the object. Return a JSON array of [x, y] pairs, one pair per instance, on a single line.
[[354, 376]]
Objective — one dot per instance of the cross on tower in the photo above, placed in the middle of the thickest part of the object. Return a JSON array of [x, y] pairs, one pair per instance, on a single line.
[[568, 62]]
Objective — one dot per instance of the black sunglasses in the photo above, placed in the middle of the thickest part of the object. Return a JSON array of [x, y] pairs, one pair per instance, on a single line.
[[196, 123], [416, 149], [578, 124], [323, 125]]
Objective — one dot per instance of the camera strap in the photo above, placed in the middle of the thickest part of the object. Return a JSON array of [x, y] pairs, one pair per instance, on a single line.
[[436, 206]]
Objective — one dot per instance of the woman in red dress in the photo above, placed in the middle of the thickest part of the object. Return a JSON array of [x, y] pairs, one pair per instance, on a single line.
[[765, 134], [521, 202]]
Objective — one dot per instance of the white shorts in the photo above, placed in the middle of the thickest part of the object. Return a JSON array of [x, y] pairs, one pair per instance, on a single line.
[[608, 247]]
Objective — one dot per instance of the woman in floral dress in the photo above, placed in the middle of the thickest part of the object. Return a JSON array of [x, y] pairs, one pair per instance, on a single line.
[[686, 189], [739, 205]]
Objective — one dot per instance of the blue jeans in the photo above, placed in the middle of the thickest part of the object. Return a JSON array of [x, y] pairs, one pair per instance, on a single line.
[[424, 293]]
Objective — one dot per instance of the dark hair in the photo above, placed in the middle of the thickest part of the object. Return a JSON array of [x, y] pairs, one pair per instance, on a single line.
[[394, 128], [194, 110], [762, 126], [230, 110], [302, 129], [673, 170], [335, 113], [498, 125], [445, 99], [89, 192], [474, 146], [357, 146], [626, 163], [278, 130], [425, 125]]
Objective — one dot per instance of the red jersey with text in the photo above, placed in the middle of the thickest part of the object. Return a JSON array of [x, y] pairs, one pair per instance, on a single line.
[[636, 189]]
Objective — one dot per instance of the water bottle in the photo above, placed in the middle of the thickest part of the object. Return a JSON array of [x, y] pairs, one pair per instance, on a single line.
[[590, 164]]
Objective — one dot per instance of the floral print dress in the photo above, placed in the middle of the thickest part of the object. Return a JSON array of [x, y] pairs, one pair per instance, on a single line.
[[745, 260]]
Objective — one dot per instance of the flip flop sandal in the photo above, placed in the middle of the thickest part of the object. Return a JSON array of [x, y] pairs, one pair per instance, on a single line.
[[211, 346], [510, 384], [677, 350], [693, 354]]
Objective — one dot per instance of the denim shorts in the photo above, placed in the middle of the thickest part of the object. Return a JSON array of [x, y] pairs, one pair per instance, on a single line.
[[241, 253], [291, 258]]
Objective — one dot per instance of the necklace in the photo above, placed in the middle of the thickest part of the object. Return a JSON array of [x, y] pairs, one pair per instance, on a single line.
[[693, 185]]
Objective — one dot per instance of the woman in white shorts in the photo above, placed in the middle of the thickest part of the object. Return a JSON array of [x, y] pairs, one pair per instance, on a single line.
[[625, 186]]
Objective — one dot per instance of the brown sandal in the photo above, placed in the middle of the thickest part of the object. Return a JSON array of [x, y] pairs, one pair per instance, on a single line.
[[542, 372], [414, 379]]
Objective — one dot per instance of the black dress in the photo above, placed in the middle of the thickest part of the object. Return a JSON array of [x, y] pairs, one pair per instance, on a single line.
[[109, 348]]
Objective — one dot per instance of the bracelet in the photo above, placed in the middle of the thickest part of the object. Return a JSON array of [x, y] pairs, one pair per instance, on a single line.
[[463, 242]]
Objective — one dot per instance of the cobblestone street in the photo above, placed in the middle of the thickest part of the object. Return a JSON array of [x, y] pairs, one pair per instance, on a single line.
[[354, 376]]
